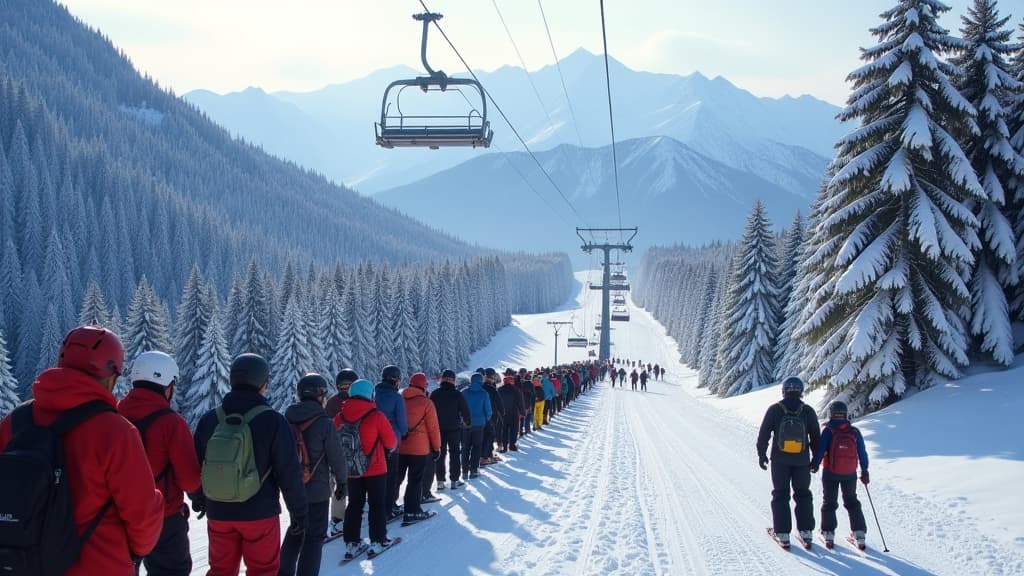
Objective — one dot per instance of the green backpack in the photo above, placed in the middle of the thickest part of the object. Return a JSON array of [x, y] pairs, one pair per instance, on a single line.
[[229, 471]]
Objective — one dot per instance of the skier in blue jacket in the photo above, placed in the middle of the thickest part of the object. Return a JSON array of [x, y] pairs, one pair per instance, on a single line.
[[842, 450], [391, 403], [549, 397], [480, 413]]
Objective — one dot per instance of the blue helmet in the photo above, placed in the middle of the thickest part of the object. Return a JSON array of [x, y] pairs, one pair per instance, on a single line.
[[838, 409], [362, 389], [792, 385]]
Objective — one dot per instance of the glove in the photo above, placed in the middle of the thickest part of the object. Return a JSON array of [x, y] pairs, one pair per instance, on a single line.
[[865, 478], [340, 491], [762, 461], [814, 469], [435, 454], [297, 528], [198, 504]]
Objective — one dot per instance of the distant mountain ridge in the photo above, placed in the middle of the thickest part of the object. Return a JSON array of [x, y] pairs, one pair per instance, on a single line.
[[783, 140], [674, 193]]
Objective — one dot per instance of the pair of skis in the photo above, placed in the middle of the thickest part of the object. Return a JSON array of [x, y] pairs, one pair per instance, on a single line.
[[364, 548], [807, 544]]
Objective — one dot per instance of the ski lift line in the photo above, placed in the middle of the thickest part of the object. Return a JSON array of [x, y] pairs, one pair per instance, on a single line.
[[611, 117], [519, 137], [551, 123], [558, 65]]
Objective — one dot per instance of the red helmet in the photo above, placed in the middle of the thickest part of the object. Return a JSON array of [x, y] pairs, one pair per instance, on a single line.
[[93, 350]]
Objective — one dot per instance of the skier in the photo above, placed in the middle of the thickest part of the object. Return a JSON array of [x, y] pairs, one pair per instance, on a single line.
[[633, 376], [643, 380], [452, 416], [420, 448], [525, 385], [390, 402], [657, 372], [343, 381], [243, 488], [171, 453], [376, 437], [615, 376], [539, 402], [512, 400], [494, 426], [622, 377], [110, 483], [842, 449], [794, 427], [549, 398], [480, 413]]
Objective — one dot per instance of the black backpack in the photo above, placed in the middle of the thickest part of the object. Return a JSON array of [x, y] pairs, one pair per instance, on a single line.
[[37, 524], [143, 425]]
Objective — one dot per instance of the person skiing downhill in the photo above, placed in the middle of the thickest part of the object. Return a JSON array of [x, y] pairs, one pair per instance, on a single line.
[[793, 428], [842, 450]]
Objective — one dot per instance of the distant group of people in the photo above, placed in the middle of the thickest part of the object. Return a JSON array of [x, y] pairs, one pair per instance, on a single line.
[[645, 373], [129, 464]]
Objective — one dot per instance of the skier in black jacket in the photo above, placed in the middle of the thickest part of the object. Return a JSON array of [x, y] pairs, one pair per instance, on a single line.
[[452, 416], [525, 384], [793, 426], [493, 427], [512, 400]]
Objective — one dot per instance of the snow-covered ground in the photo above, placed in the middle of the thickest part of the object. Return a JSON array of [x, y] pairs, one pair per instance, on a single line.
[[666, 482]]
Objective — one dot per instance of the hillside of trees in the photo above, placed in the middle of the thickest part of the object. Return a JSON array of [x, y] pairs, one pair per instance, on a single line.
[[115, 191], [910, 266]]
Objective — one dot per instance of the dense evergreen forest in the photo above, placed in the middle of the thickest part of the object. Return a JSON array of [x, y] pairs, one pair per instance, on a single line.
[[910, 265], [122, 204]]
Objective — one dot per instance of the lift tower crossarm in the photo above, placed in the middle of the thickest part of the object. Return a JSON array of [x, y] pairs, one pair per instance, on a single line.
[[606, 248], [558, 328]]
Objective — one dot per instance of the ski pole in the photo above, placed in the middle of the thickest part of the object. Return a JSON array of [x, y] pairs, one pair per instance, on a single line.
[[875, 514]]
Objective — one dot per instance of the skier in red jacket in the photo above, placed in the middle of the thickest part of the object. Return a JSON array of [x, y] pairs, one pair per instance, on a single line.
[[378, 438], [171, 453], [105, 460]]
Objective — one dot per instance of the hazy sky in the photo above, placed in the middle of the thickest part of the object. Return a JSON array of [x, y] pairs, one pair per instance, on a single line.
[[770, 47]]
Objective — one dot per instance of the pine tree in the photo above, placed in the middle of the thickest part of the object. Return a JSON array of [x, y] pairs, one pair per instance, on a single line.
[[11, 296], [1015, 192], [291, 357], [752, 311], [987, 84], [894, 234], [9, 396], [94, 311], [29, 332], [407, 349], [190, 325], [57, 285], [146, 327], [336, 338], [210, 380]]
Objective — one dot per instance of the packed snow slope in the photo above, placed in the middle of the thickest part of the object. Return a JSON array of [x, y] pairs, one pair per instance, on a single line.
[[666, 482]]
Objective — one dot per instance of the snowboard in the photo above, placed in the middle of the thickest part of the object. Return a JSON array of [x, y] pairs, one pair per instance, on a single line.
[[394, 542], [430, 514], [771, 534], [363, 547]]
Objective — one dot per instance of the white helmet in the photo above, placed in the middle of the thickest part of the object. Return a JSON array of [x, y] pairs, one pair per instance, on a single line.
[[155, 367]]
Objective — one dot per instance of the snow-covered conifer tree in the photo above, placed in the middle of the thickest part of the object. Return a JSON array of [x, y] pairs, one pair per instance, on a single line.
[[94, 309], [291, 356], [407, 341], [9, 397], [752, 311], [209, 382], [253, 321], [987, 84], [190, 326], [336, 338], [146, 327], [894, 234], [1015, 193]]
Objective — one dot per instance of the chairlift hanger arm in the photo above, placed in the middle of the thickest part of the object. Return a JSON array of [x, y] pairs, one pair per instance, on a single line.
[[427, 18]]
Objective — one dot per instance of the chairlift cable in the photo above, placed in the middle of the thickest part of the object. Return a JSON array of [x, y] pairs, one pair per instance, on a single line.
[[611, 117], [505, 117], [522, 61], [558, 65]]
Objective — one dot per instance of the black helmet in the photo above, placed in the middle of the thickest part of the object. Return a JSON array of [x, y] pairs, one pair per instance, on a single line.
[[490, 372], [347, 375], [792, 385], [249, 371], [448, 374], [837, 409], [312, 386], [391, 373]]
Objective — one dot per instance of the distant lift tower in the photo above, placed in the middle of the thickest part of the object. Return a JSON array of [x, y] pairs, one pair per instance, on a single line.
[[558, 328], [606, 282]]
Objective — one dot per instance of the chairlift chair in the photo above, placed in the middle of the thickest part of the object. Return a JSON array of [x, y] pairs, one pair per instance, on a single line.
[[576, 342], [398, 130], [620, 314]]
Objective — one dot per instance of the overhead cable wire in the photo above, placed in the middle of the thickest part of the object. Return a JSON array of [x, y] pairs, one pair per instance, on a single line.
[[505, 117], [554, 54], [522, 61], [611, 117]]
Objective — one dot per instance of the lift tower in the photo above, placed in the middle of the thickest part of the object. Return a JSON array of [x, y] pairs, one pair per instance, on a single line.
[[605, 287], [558, 328]]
